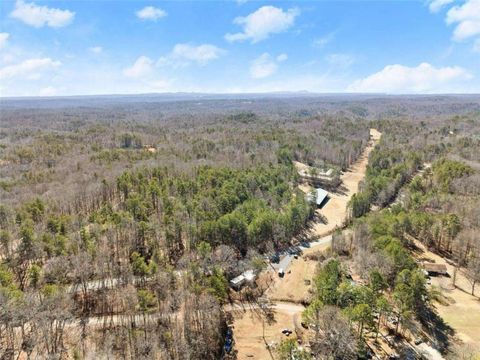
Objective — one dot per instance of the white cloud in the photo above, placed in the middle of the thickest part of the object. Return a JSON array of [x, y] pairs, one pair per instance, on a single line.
[[141, 68], [265, 66], [340, 60], [150, 13], [437, 5], [260, 24], [30, 69], [39, 16], [96, 49], [467, 19], [3, 39], [424, 78], [48, 91], [324, 40], [7, 58], [184, 54]]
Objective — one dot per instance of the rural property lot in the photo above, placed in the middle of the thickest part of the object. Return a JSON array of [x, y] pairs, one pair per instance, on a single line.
[[463, 310], [293, 286], [335, 210], [251, 332]]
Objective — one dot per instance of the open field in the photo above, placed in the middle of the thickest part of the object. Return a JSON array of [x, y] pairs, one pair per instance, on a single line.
[[252, 331], [292, 286], [463, 310], [463, 315]]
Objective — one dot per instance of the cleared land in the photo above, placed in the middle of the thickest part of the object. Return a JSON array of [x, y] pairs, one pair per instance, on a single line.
[[461, 310], [295, 284], [335, 209], [293, 287], [251, 331]]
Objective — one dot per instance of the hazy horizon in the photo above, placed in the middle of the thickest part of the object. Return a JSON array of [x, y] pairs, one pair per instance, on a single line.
[[239, 95]]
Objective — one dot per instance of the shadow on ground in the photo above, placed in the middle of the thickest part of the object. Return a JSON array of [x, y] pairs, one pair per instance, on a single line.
[[440, 333]]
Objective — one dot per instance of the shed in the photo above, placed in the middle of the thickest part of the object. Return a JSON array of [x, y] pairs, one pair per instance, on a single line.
[[321, 195], [246, 278], [435, 269], [237, 282]]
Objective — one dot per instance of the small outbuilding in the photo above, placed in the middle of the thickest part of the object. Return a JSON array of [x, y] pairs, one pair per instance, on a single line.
[[246, 278], [321, 196], [237, 282], [435, 269]]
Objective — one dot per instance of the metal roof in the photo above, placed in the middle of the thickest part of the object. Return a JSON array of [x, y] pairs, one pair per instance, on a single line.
[[321, 195], [238, 280], [438, 268], [248, 275]]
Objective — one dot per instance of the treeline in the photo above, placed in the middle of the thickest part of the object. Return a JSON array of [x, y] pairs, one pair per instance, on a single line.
[[75, 149], [254, 208], [391, 164], [441, 208], [443, 211], [391, 290], [162, 215], [164, 238], [169, 317]]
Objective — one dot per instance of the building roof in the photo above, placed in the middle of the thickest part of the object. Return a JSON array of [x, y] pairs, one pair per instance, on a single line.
[[436, 268], [321, 195], [238, 280], [249, 275]]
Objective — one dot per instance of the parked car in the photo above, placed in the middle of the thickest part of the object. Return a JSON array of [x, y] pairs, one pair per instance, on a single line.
[[281, 273]]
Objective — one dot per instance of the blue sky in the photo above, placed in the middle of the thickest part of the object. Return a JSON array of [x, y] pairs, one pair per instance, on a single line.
[[111, 47]]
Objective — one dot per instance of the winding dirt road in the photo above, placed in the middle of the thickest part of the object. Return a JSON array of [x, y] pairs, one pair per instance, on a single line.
[[335, 210], [251, 332]]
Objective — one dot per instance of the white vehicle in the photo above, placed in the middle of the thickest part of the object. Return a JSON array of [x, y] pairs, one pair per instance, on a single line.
[[281, 272]]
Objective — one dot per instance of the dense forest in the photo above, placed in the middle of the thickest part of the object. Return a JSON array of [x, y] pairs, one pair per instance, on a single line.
[[122, 220]]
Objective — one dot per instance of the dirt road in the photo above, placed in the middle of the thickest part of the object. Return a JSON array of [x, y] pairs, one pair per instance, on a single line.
[[335, 210], [252, 333], [293, 286]]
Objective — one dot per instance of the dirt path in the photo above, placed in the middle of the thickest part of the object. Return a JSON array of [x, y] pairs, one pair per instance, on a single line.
[[335, 210], [294, 286], [251, 332]]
